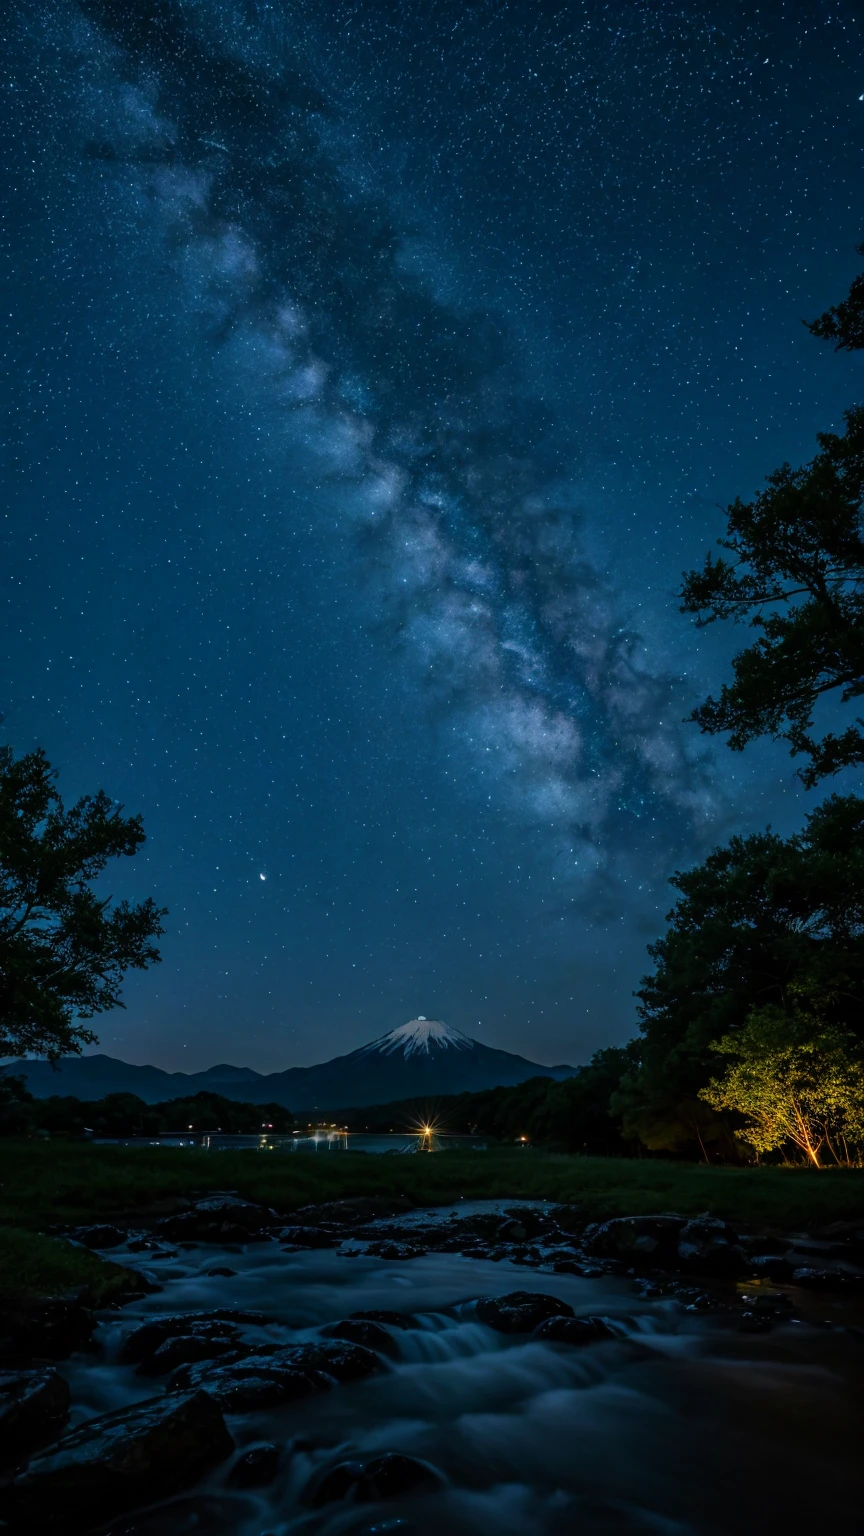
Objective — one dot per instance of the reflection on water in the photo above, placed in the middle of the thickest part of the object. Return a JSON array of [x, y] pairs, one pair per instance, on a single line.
[[320, 1139], [678, 1426]]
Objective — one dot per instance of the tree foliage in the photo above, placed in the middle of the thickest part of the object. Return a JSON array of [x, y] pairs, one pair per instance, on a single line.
[[63, 949], [794, 1079], [761, 922], [796, 574]]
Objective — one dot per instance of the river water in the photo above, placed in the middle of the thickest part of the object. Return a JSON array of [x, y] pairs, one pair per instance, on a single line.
[[681, 1425]]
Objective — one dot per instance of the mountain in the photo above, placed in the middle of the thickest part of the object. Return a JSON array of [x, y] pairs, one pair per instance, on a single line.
[[423, 1057]]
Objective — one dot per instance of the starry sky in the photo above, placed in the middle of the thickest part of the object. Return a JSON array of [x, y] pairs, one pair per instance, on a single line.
[[370, 374]]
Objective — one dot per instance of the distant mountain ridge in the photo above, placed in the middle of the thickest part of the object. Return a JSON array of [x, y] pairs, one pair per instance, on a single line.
[[424, 1056]]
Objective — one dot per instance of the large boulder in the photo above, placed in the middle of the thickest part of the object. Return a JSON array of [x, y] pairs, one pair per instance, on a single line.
[[365, 1331], [142, 1344], [222, 1219], [520, 1311], [637, 1239], [33, 1408], [113, 1463], [264, 1379]]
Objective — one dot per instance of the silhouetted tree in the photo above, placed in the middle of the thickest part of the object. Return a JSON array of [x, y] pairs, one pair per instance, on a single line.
[[796, 574], [63, 949]]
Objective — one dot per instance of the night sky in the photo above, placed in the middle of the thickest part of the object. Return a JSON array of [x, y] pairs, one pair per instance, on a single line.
[[371, 373]]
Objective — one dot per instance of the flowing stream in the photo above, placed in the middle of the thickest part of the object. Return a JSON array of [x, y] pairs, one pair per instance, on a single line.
[[680, 1425]]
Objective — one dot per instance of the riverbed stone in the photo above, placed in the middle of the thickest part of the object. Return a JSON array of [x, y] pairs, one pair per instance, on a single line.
[[223, 1219], [520, 1311], [256, 1467], [310, 1237], [385, 1477], [34, 1406], [271, 1374], [221, 1323], [104, 1236], [639, 1239], [356, 1210], [185, 1348], [120, 1460], [365, 1331], [574, 1330]]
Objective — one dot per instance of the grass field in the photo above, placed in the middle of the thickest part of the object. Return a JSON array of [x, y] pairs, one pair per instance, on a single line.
[[50, 1184]]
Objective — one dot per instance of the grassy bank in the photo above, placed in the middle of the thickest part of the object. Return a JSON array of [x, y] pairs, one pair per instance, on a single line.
[[47, 1184], [32, 1266]]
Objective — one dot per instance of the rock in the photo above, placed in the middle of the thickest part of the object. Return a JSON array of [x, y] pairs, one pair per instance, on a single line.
[[256, 1467], [710, 1247], [646, 1239], [310, 1237], [364, 1330], [185, 1348], [279, 1376], [224, 1219], [387, 1250], [574, 1330], [356, 1211], [386, 1477], [223, 1323], [113, 1463], [512, 1232], [221, 1272], [100, 1237], [833, 1279], [33, 1408], [47, 1330], [520, 1311]]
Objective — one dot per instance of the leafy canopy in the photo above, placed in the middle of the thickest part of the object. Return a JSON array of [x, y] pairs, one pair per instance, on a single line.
[[796, 574], [794, 1080], [63, 949]]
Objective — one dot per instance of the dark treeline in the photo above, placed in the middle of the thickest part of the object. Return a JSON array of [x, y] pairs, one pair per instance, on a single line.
[[124, 1114], [571, 1116]]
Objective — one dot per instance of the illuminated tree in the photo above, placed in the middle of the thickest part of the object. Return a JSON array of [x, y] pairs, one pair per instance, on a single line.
[[793, 1080]]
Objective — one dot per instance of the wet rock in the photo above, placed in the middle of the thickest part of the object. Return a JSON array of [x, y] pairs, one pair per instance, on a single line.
[[185, 1348], [710, 1247], [833, 1279], [222, 1323], [310, 1237], [388, 1250], [33, 1408], [645, 1239], [224, 1219], [365, 1331], [356, 1211], [100, 1236], [221, 1272], [754, 1322], [389, 1476], [113, 1463], [279, 1375], [512, 1232], [256, 1467], [574, 1330], [520, 1311], [48, 1330]]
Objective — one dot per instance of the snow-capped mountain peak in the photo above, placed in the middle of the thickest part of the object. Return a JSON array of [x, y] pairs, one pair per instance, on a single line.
[[420, 1036]]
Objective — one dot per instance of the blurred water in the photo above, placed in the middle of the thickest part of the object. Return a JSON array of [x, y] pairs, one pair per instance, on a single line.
[[679, 1425], [324, 1140]]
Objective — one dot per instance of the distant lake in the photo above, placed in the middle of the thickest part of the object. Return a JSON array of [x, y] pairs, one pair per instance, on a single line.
[[312, 1141]]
